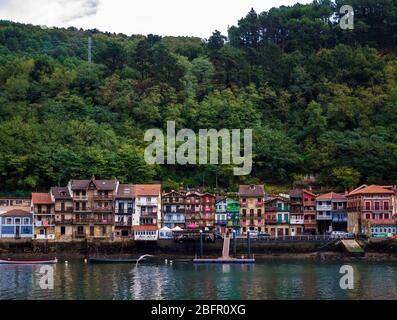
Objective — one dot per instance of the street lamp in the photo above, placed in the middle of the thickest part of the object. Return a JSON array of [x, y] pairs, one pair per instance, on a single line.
[[234, 243], [201, 243]]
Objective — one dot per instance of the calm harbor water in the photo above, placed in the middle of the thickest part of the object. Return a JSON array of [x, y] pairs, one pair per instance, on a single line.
[[265, 280]]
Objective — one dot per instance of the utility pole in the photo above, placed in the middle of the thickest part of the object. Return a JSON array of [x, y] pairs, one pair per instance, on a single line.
[[89, 49]]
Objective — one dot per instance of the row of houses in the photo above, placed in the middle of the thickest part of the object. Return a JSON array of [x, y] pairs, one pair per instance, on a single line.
[[107, 209]]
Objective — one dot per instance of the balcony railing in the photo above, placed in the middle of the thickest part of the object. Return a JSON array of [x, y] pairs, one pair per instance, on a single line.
[[123, 223], [80, 198], [149, 214], [64, 221], [44, 223], [94, 221], [297, 221], [324, 217], [102, 209], [124, 211], [103, 197]]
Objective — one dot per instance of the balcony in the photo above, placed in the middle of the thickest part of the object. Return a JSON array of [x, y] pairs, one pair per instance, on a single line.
[[103, 209], [64, 221], [208, 210], [124, 211], [221, 222], [172, 220], [80, 198], [103, 197], [271, 221], [297, 221], [45, 223], [123, 223], [323, 216], [82, 210], [94, 221], [380, 221], [378, 209], [310, 222], [339, 219], [149, 215]]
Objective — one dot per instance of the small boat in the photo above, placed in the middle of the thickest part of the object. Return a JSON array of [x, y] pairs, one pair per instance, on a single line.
[[28, 262], [114, 260]]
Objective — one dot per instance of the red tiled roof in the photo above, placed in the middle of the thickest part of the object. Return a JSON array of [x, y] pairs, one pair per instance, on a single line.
[[373, 189], [331, 196], [145, 228], [148, 190], [41, 198]]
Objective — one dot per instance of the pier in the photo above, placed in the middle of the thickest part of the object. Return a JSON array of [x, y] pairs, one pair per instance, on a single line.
[[225, 259]]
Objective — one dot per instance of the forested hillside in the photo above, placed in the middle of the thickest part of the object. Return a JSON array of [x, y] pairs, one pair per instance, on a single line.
[[322, 101]]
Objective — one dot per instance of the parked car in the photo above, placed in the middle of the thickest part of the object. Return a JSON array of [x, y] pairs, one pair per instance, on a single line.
[[263, 235], [340, 234], [254, 233]]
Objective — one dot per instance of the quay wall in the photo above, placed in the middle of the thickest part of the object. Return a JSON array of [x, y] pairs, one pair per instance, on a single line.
[[163, 248], [155, 248]]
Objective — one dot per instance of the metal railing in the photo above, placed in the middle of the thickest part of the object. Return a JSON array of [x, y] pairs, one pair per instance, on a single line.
[[300, 238]]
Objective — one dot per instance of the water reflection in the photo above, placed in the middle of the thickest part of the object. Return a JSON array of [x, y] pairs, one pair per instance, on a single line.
[[268, 280]]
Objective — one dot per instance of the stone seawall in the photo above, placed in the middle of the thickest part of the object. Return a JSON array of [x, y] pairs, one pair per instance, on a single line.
[[155, 248]]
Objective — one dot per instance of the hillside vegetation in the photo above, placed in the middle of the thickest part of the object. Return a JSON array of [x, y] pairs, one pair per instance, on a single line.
[[322, 101]]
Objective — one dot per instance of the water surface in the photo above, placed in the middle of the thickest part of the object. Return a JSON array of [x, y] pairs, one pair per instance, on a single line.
[[265, 280]]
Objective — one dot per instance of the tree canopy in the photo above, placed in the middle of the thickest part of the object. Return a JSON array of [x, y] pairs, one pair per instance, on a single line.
[[322, 101]]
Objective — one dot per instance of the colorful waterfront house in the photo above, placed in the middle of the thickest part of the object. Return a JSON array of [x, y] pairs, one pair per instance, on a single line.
[[146, 233], [370, 210], [221, 214], [331, 212], [296, 212], [174, 209], [124, 208], [233, 216], [16, 224], [193, 209], [63, 207], [278, 216], [43, 212], [147, 205], [208, 211], [252, 208], [93, 202], [309, 212]]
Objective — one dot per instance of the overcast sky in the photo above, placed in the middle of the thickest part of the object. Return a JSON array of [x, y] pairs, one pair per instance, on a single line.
[[163, 17]]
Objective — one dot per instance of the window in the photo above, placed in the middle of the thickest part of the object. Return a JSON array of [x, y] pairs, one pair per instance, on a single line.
[[17, 221], [377, 206], [9, 221], [367, 206], [26, 221], [386, 216], [386, 205], [259, 212], [63, 231]]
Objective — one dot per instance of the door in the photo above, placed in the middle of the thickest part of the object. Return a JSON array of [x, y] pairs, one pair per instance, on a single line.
[[17, 232], [92, 231]]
